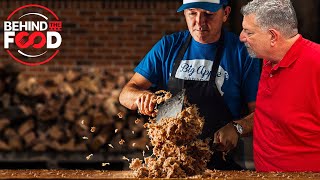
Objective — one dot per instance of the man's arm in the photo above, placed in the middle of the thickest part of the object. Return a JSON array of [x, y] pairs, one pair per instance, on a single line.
[[247, 122], [135, 95], [227, 136]]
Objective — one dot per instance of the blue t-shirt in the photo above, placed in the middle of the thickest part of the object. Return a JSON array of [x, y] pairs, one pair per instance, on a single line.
[[237, 77]]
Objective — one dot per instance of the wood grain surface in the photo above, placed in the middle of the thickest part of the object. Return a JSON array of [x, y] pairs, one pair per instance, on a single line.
[[106, 174]]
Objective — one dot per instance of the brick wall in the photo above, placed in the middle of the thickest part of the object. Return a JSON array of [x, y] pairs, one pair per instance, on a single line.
[[116, 34], [112, 35]]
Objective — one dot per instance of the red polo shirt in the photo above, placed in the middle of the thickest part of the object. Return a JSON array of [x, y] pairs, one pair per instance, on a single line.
[[287, 116]]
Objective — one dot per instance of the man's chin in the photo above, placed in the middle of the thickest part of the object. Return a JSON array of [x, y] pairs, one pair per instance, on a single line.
[[251, 52], [253, 55], [201, 39], [204, 38]]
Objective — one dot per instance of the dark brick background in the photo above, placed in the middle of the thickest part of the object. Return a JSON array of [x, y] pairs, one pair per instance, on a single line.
[[116, 34]]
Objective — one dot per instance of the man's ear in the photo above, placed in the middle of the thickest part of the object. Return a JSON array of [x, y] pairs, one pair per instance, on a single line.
[[227, 11], [274, 36]]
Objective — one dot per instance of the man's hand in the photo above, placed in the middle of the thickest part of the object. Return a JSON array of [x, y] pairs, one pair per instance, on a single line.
[[146, 104], [227, 138]]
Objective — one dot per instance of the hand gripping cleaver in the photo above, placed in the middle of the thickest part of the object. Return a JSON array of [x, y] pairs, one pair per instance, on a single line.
[[171, 107]]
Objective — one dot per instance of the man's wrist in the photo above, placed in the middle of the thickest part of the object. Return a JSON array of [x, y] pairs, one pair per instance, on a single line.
[[238, 128]]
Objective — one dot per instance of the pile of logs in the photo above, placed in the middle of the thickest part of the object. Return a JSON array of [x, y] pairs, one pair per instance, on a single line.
[[74, 112]]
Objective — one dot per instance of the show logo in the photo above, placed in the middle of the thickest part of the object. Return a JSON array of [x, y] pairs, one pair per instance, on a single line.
[[32, 35]]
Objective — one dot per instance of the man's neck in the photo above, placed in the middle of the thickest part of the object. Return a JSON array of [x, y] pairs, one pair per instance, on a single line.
[[283, 47]]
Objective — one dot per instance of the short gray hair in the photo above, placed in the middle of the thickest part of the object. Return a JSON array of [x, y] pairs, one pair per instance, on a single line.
[[277, 14]]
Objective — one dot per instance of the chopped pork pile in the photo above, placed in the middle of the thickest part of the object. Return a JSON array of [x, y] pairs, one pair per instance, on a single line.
[[177, 152]]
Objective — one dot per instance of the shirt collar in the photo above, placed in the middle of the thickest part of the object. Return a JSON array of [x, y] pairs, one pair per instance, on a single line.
[[292, 55]]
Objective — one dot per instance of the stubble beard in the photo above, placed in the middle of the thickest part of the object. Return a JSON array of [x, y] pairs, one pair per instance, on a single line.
[[250, 51]]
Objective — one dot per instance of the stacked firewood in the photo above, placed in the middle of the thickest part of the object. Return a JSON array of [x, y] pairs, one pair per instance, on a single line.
[[75, 111]]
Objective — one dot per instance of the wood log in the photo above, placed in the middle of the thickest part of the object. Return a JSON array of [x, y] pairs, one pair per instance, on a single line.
[[13, 113], [119, 125], [95, 100], [80, 147], [116, 146], [121, 81], [40, 147], [69, 146], [2, 86], [72, 76], [41, 92], [73, 104], [26, 127], [82, 125], [87, 84], [101, 119], [4, 146], [98, 141], [70, 115], [129, 75], [42, 136], [55, 132], [16, 99], [136, 124], [14, 140], [4, 122], [6, 100], [108, 131], [27, 87], [68, 134], [25, 110], [29, 139], [140, 143], [108, 87], [45, 112], [129, 136], [109, 106], [41, 142], [66, 89], [58, 79], [55, 145], [59, 105]]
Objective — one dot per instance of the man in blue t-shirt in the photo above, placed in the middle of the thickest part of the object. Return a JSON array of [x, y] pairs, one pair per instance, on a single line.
[[215, 69]]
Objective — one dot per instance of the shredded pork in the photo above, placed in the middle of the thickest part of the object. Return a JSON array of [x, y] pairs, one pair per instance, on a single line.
[[177, 152]]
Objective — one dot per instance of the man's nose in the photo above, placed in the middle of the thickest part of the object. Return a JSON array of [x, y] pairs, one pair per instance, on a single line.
[[242, 37], [201, 19]]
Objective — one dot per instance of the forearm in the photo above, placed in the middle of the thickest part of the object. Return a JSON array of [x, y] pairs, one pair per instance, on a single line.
[[247, 124], [129, 95]]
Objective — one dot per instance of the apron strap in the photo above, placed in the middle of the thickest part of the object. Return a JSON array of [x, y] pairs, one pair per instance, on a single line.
[[175, 85], [216, 63], [180, 55]]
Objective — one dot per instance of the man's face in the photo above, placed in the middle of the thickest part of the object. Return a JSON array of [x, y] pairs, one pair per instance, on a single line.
[[256, 39], [205, 26]]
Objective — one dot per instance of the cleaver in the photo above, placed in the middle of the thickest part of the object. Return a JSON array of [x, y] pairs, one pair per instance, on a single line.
[[171, 107]]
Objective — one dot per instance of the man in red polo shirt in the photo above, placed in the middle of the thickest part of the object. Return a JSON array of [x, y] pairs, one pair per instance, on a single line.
[[287, 115]]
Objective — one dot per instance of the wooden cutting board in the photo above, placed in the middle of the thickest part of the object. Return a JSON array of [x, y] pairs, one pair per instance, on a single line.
[[63, 174], [106, 174]]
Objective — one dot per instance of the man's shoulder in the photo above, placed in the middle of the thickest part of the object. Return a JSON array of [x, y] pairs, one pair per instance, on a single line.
[[233, 44], [311, 46], [307, 49], [232, 39], [176, 37]]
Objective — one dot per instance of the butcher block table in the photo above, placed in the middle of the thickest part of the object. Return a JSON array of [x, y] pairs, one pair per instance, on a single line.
[[106, 174]]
